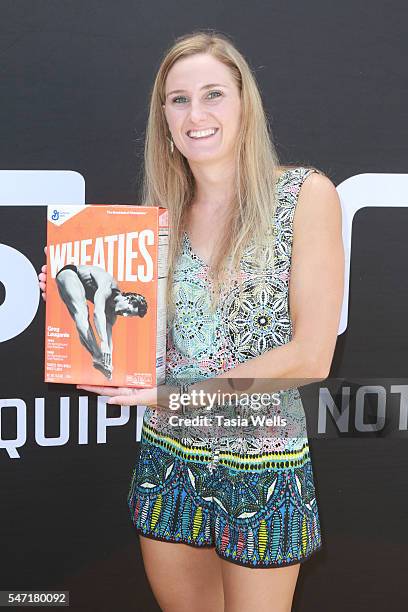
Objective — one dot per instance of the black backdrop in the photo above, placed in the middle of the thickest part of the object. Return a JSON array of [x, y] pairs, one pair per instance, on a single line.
[[75, 79]]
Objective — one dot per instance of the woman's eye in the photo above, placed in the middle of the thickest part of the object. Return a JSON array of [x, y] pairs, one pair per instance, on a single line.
[[183, 98], [215, 92], [179, 98]]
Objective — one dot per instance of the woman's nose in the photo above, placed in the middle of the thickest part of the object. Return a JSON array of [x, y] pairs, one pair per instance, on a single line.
[[197, 111]]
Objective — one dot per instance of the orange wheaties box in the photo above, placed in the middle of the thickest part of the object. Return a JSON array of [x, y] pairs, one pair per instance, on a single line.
[[106, 295]]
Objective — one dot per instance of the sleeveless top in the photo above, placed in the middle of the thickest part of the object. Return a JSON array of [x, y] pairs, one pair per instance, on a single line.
[[202, 344]]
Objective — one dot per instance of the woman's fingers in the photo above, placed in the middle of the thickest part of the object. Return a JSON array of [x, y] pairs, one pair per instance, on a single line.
[[121, 396], [124, 400], [100, 390], [42, 277]]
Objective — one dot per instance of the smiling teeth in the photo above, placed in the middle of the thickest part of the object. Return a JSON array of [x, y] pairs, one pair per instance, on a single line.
[[201, 133]]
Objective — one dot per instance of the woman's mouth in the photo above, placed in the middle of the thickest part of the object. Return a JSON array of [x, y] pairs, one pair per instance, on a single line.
[[202, 134]]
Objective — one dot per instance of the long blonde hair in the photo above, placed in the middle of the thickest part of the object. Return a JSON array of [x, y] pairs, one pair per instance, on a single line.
[[169, 182]]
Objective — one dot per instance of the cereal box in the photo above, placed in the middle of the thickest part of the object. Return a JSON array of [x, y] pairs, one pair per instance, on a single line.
[[106, 292]]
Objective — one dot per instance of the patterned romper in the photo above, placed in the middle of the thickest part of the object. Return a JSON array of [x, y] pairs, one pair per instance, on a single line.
[[252, 498]]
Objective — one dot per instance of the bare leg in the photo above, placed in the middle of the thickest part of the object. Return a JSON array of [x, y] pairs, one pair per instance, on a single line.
[[72, 293], [182, 577], [260, 589], [87, 336]]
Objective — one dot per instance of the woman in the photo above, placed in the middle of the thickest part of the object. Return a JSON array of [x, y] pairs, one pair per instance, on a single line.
[[244, 506]]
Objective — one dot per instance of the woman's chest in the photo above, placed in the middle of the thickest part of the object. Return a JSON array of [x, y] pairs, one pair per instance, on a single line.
[[251, 315]]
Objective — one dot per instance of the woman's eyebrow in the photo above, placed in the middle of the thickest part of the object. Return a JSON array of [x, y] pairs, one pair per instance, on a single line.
[[203, 87]]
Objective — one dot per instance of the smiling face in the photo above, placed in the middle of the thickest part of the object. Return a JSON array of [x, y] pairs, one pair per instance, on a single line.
[[203, 108]]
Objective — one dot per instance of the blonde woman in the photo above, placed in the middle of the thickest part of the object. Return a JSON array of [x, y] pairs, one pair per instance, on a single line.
[[226, 520]]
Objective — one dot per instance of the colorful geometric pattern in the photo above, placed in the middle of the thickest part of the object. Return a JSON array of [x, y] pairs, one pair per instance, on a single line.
[[265, 518], [252, 497]]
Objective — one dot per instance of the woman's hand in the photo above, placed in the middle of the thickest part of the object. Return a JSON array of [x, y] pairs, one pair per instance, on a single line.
[[42, 277], [157, 397]]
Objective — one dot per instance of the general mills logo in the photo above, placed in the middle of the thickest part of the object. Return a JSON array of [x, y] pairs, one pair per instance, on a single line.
[[55, 215]]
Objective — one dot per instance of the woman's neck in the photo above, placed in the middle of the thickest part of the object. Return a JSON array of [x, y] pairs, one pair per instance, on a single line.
[[214, 185]]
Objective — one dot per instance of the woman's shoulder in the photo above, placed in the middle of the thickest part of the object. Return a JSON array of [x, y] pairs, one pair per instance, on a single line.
[[318, 174], [316, 178], [296, 168]]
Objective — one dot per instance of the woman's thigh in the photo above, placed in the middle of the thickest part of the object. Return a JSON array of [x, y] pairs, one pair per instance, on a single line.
[[262, 589], [182, 577]]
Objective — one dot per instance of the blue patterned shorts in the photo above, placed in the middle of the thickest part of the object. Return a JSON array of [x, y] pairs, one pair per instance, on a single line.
[[255, 516]]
